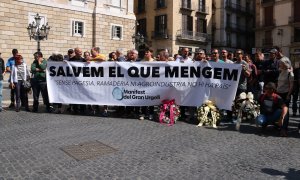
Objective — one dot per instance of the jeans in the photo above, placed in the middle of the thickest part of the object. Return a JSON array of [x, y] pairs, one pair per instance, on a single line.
[[266, 119], [1, 88], [21, 93]]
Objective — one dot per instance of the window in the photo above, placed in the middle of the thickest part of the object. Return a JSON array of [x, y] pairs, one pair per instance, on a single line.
[[116, 32], [187, 23], [80, 3], [228, 19], [202, 5], [228, 39], [77, 28], [297, 35], [141, 6], [238, 21], [161, 25], [142, 27], [296, 11], [201, 25], [115, 3], [160, 4], [268, 13], [186, 4]]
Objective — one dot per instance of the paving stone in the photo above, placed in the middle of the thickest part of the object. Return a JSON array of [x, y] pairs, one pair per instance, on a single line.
[[31, 149]]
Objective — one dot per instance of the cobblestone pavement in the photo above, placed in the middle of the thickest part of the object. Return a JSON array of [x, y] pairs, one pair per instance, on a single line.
[[31, 148]]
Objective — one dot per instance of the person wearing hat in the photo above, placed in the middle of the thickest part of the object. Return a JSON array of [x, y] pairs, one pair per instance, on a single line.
[[273, 110], [271, 66]]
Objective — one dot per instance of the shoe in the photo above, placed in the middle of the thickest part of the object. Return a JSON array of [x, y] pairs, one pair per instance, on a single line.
[[104, 114], [58, 111], [27, 110], [142, 117], [50, 109], [150, 117], [12, 105], [283, 133], [17, 109], [35, 110]]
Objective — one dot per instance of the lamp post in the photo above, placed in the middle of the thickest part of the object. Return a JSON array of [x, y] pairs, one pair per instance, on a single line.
[[138, 39], [36, 32]]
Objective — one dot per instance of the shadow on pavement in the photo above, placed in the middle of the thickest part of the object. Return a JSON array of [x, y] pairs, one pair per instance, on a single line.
[[272, 131], [292, 174]]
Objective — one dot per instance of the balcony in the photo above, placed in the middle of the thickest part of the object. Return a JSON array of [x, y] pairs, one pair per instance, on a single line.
[[203, 10], [295, 39], [267, 25], [267, 42], [192, 36], [235, 28], [270, 23], [267, 1], [234, 7], [294, 20], [186, 5], [162, 34]]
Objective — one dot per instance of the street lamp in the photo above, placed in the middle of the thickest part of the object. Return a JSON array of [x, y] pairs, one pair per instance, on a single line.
[[138, 39], [36, 32]]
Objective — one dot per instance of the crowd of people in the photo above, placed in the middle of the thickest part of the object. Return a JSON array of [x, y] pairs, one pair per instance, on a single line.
[[273, 82]]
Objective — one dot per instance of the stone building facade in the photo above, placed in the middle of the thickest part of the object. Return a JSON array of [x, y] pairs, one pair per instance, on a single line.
[[108, 24], [278, 24], [174, 24], [233, 24]]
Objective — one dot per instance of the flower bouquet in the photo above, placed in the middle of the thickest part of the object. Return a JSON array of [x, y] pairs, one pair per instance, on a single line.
[[208, 114], [245, 108], [169, 112]]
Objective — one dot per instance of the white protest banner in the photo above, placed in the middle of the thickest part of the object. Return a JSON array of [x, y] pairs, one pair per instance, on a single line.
[[142, 83]]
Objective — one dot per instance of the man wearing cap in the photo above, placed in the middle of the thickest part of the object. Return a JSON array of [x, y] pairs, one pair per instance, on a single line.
[[2, 71], [271, 70], [273, 110]]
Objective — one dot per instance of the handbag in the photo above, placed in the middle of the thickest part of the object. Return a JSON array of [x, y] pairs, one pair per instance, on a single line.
[[26, 84]]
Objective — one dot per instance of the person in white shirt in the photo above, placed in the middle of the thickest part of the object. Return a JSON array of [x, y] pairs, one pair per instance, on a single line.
[[224, 55], [184, 56]]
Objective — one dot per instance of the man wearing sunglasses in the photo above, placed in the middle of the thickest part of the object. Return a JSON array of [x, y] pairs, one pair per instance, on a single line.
[[225, 55], [215, 56], [246, 72]]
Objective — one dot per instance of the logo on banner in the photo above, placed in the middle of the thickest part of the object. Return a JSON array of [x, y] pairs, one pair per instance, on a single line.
[[118, 93]]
